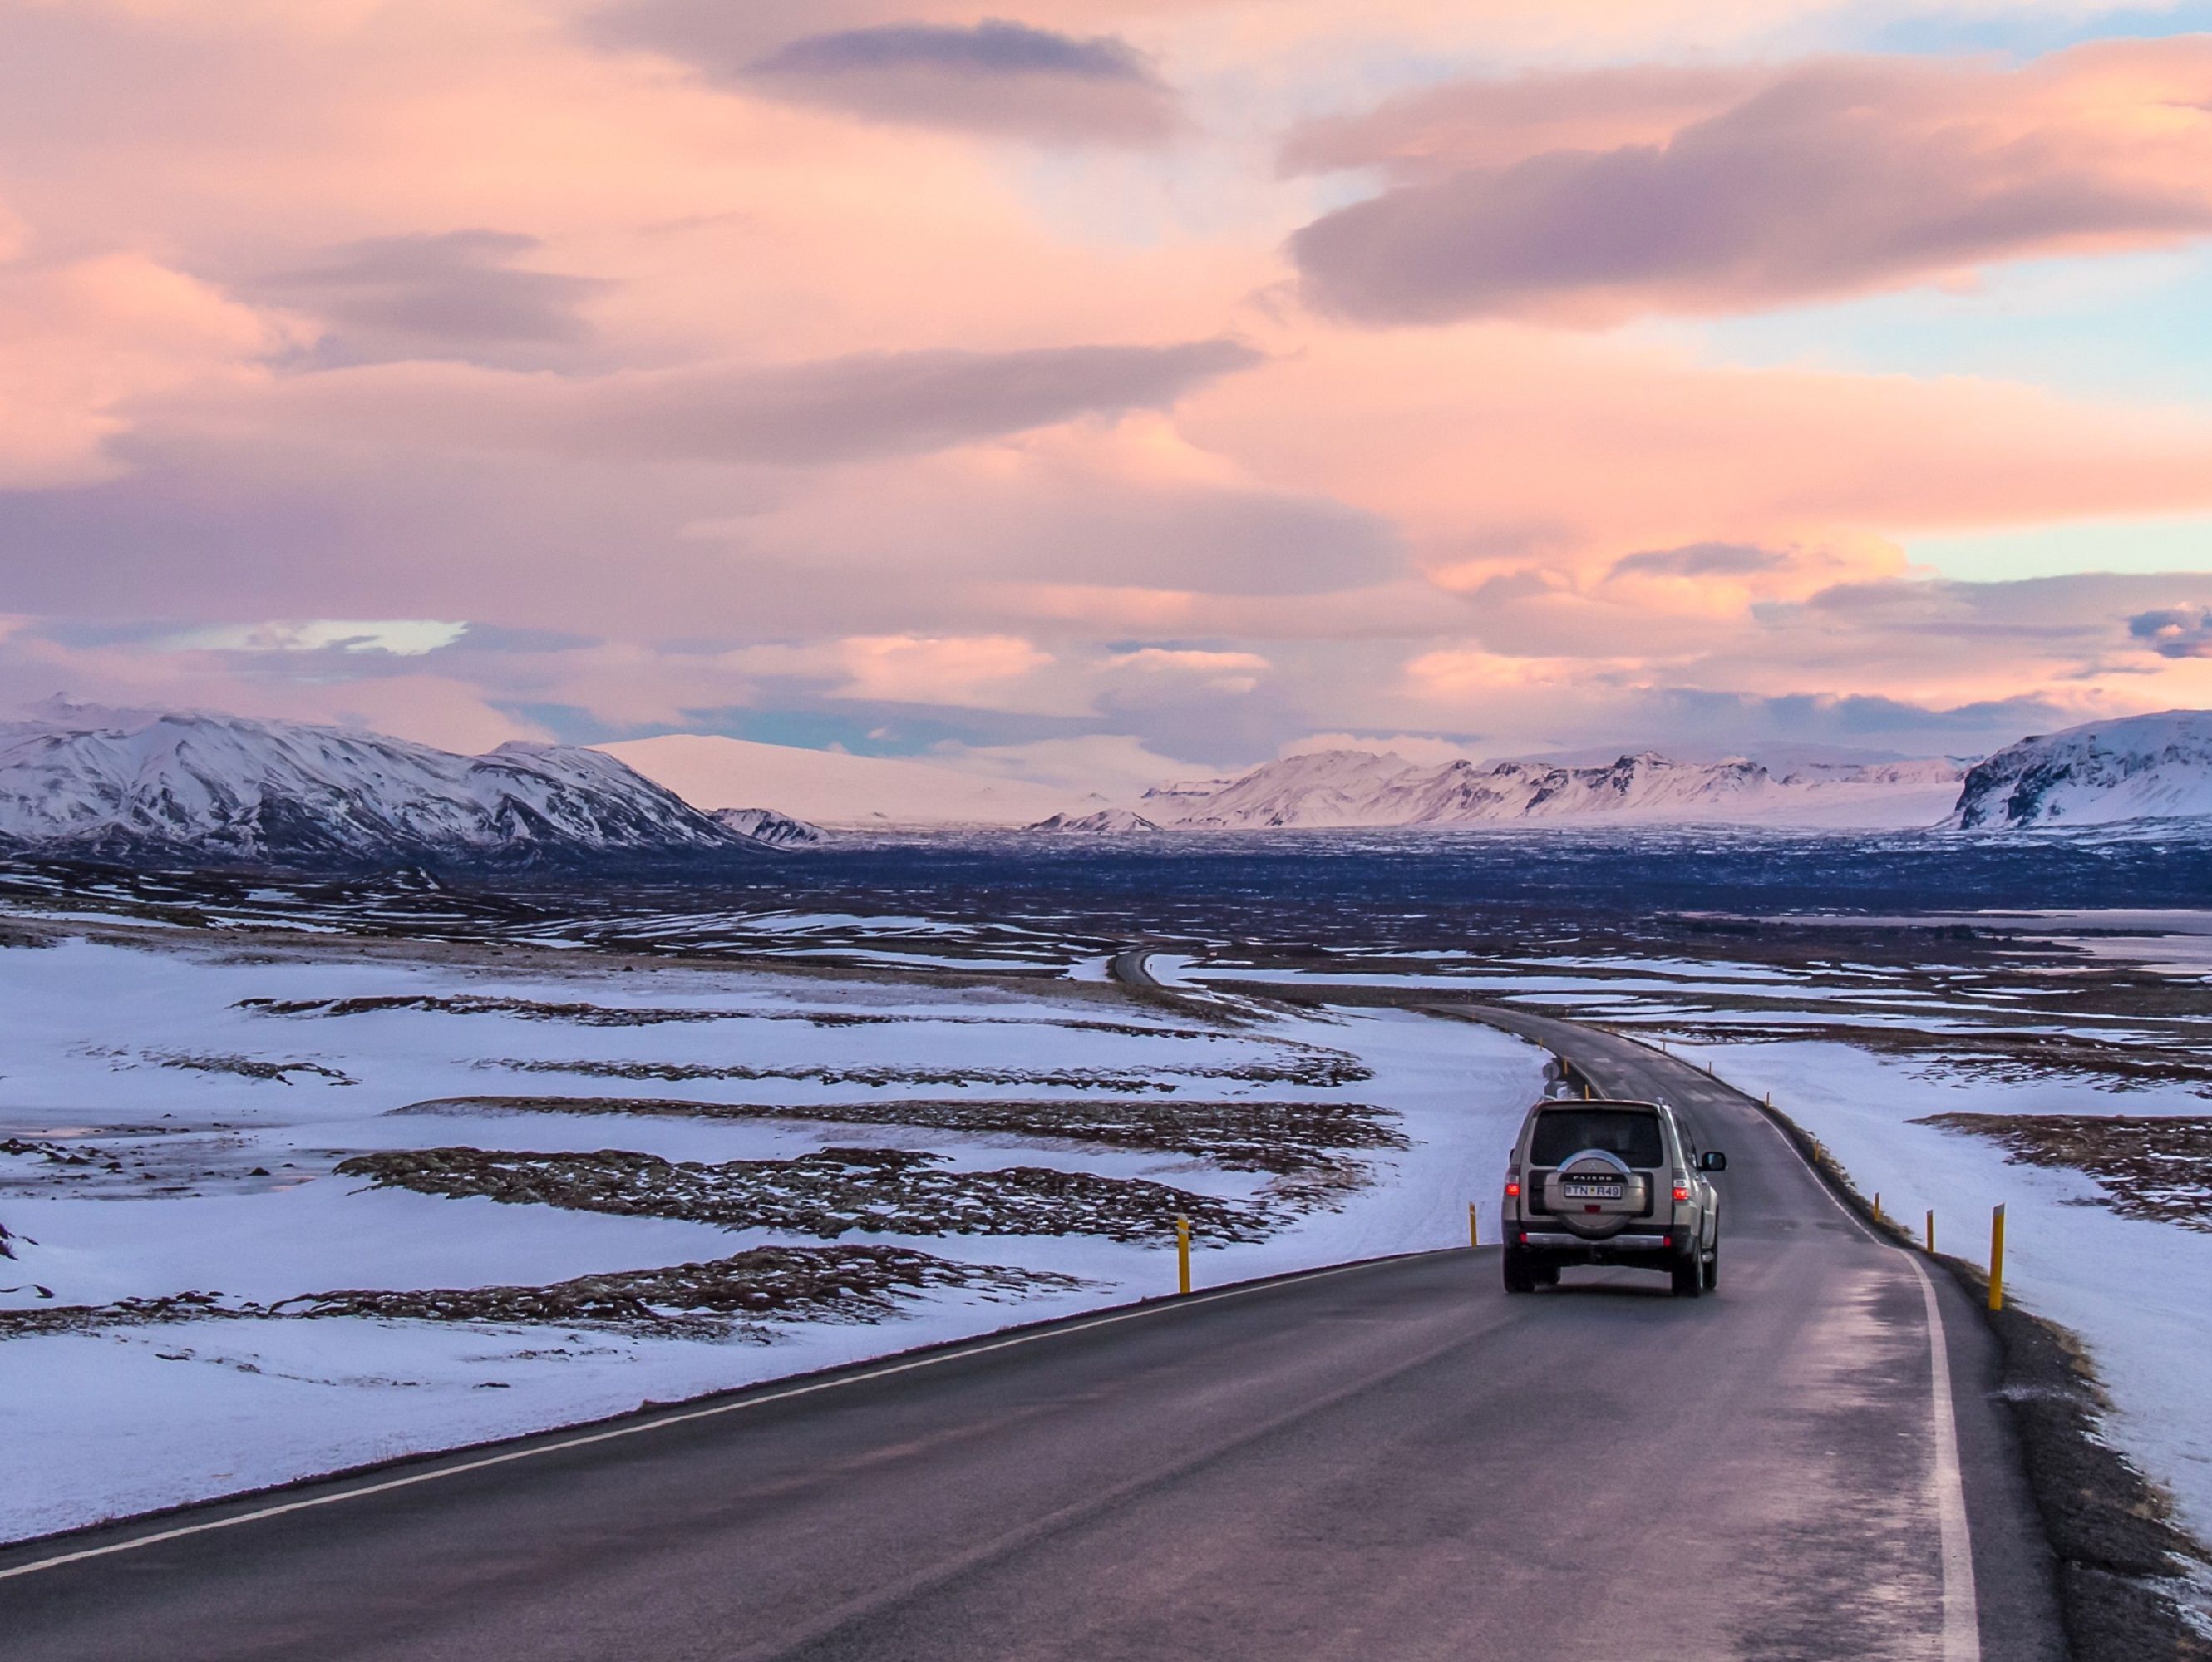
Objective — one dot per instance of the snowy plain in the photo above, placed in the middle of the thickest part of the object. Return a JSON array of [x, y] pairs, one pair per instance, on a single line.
[[105, 1043]]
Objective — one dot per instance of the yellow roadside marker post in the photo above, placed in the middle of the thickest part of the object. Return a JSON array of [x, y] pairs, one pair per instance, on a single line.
[[1474, 1226], [1997, 1259], [1877, 1205], [1931, 1231], [1183, 1254]]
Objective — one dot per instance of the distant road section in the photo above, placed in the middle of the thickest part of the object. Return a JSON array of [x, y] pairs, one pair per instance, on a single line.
[[1391, 1461], [1133, 968]]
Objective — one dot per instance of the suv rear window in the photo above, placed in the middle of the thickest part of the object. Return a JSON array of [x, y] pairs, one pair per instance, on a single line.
[[1563, 1133]]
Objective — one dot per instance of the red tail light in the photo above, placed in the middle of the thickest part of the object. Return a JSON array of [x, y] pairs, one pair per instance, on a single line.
[[1513, 1191], [1681, 1191]]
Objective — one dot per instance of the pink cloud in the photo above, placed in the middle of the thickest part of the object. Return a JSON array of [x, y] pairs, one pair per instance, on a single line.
[[1498, 447], [1592, 197], [838, 409], [83, 342], [1440, 130], [995, 77]]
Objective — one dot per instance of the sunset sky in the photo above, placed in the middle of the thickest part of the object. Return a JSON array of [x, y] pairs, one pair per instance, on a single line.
[[1111, 388]]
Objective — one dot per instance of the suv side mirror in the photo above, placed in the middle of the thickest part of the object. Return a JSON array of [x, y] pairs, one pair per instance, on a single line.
[[1712, 1160]]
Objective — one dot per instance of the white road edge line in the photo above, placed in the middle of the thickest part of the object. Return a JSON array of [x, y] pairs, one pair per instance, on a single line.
[[387, 1485], [1962, 1616], [1962, 1613]]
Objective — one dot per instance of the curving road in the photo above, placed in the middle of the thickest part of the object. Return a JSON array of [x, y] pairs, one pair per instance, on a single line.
[[1390, 1460]]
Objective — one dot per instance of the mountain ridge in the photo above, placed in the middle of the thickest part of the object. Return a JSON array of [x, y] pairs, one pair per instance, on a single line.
[[158, 785], [2101, 773], [181, 788], [1345, 788]]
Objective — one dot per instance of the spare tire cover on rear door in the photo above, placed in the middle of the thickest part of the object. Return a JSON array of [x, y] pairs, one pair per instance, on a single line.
[[1606, 1194]]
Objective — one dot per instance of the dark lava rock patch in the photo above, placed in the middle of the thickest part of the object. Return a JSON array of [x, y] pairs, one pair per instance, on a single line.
[[2154, 1166], [718, 1298], [1284, 1138], [1320, 1070], [832, 1192], [806, 1283]]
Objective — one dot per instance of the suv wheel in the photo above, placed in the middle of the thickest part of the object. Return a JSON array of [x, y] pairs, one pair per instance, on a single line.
[[1689, 1275], [1519, 1277], [1713, 1267]]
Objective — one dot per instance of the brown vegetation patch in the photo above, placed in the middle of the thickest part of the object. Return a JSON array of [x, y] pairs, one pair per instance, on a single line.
[[1319, 1070], [1989, 1053], [2153, 1167], [526, 1010], [832, 1192], [255, 1068], [710, 1300], [123, 1312], [617, 1015], [715, 1299], [55, 1154], [1279, 1137]]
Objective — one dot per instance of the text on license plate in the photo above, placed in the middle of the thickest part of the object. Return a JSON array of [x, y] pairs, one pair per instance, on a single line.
[[1590, 1190]]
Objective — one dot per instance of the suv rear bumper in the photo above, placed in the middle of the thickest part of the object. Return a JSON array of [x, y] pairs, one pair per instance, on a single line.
[[1645, 1242]]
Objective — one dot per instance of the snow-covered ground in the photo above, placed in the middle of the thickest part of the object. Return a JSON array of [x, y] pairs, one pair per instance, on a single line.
[[2136, 1290], [135, 1050]]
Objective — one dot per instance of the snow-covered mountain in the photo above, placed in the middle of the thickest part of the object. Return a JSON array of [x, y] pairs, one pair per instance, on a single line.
[[1348, 788], [1106, 822], [169, 786], [2140, 767], [766, 826]]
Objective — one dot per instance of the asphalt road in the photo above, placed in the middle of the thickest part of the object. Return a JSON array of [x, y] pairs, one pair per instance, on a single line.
[[1390, 1461]]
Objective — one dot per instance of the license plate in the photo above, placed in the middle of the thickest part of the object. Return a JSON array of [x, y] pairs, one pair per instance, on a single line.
[[1590, 1190]]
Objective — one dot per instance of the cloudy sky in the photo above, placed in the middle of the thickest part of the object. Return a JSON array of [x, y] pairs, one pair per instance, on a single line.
[[1111, 387]]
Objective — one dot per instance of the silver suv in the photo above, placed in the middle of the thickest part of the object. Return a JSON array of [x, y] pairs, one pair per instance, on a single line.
[[1611, 1182]]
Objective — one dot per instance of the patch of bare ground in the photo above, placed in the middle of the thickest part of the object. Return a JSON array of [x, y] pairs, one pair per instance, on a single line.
[[2097, 1068], [525, 1009], [2151, 1166], [253, 1068], [55, 1152], [1318, 1070], [1991, 1054], [831, 1192], [721, 1298], [711, 1299], [619, 1015], [123, 1312], [1279, 1137]]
